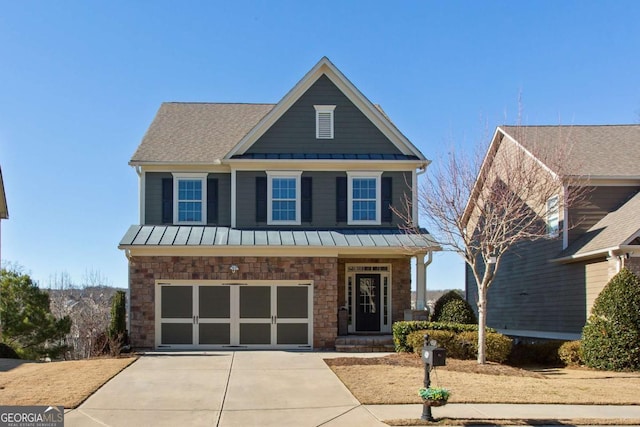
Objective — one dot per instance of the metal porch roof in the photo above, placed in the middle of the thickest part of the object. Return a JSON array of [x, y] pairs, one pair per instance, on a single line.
[[173, 235]]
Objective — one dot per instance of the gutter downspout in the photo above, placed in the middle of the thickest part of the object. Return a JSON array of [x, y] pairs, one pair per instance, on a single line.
[[141, 191], [414, 204]]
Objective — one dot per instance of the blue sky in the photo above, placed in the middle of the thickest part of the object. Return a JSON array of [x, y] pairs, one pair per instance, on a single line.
[[81, 81]]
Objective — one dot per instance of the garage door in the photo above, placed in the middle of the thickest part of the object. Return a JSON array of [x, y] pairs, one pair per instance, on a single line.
[[211, 315]]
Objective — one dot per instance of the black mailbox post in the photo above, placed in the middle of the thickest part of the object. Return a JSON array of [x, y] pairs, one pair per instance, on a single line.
[[432, 355]]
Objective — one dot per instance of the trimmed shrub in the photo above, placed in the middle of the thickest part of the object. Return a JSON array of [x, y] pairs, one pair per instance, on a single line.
[[570, 353], [610, 337], [402, 329], [463, 345], [498, 346], [442, 301], [444, 338], [457, 311], [538, 353]]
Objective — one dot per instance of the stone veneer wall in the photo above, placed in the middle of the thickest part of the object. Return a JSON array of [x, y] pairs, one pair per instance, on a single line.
[[400, 282], [144, 271]]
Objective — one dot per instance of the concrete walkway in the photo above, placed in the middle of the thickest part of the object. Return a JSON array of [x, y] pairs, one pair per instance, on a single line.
[[270, 388]]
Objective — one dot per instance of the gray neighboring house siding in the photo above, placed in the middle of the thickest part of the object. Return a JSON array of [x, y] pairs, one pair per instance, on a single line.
[[531, 293], [295, 131], [153, 197], [323, 199]]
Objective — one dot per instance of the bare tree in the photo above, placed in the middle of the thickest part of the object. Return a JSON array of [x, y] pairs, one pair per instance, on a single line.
[[481, 206], [88, 305]]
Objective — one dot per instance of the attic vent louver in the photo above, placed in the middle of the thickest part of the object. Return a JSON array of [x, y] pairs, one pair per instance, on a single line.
[[324, 121]]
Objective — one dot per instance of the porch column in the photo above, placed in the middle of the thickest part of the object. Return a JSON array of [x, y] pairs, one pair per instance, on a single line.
[[421, 283]]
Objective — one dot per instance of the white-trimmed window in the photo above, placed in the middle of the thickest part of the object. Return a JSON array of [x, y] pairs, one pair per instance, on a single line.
[[364, 198], [324, 121], [189, 198], [283, 202], [553, 216]]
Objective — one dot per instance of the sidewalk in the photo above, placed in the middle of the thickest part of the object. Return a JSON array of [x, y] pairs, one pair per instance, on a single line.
[[508, 411]]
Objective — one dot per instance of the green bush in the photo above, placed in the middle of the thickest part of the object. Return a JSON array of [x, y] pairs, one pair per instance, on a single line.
[[444, 338], [402, 329], [538, 353], [497, 348], [452, 307], [570, 353], [463, 345], [610, 337], [442, 301]]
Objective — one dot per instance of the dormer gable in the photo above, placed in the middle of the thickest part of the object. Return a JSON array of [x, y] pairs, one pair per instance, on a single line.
[[292, 124]]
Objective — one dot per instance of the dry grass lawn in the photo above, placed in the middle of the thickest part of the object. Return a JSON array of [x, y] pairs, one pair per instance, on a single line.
[[396, 379], [66, 383]]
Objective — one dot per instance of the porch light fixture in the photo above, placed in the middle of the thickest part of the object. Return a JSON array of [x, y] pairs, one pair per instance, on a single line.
[[234, 268]]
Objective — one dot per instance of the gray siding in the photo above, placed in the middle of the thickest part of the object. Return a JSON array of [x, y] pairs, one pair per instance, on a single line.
[[599, 201], [323, 196], [295, 131], [531, 293], [153, 197]]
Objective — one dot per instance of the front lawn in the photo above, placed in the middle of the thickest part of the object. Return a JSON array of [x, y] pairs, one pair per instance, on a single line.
[[395, 379], [66, 383]]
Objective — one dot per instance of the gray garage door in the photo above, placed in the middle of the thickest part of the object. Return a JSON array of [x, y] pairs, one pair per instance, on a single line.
[[234, 315]]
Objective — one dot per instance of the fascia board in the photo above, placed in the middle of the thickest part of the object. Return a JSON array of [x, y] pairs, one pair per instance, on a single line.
[[325, 165], [528, 153], [324, 66], [477, 186], [185, 167], [270, 251]]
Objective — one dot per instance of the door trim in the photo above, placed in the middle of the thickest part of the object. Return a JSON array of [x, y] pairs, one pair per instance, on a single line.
[[382, 269]]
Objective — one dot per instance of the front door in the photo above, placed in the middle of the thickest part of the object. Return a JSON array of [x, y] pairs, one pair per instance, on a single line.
[[368, 302]]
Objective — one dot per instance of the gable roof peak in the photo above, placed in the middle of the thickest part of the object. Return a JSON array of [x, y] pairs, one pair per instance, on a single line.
[[325, 67]]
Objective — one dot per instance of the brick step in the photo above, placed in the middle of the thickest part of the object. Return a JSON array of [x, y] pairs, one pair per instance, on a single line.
[[365, 343]]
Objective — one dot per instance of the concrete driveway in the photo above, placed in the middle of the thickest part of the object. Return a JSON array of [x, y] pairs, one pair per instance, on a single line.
[[265, 388]]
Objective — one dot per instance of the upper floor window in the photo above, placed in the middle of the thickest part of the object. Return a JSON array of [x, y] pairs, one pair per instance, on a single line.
[[364, 199], [553, 216], [324, 121], [283, 190], [189, 203]]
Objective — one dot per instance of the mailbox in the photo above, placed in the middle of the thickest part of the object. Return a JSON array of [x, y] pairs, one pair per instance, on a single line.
[[434, 356]]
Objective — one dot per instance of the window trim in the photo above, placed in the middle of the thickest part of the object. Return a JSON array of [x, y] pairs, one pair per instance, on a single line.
[[271, 175], [553, 214], [369, 175], [177, 177], [323, 109]]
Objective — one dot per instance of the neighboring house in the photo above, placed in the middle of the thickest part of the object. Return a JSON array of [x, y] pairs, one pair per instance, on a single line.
[[4, 211], [258, 222], [546, 288]]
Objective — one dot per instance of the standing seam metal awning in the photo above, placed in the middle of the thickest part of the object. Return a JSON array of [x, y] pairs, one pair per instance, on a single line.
[[172, 235]]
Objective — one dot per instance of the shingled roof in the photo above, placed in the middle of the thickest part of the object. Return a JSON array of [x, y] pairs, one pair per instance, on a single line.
[[197, 132], [596, 151], [616, 229]]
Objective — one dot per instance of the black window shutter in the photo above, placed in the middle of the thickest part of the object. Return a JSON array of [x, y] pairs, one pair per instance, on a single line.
[[212, 201], [341, 199], [261, 199], [385, 190], [167, 200], [305, 199]]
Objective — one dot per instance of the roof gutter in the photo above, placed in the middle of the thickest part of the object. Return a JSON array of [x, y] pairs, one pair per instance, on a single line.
[[610, 252]]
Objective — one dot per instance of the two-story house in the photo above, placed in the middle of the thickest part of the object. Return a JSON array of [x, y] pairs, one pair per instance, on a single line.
[[259, 222], [546, 288]]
